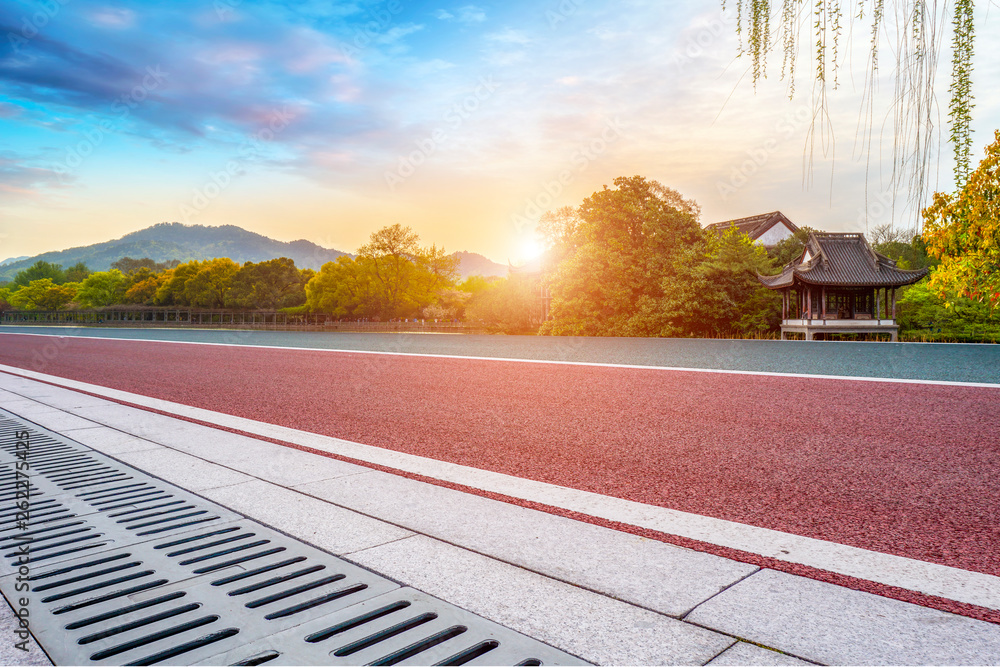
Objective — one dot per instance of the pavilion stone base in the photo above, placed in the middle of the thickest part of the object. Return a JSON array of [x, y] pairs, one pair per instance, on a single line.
[[811, 327]]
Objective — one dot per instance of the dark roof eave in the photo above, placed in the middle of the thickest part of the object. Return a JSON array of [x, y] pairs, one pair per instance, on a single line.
[[917, 275], [777, 281]]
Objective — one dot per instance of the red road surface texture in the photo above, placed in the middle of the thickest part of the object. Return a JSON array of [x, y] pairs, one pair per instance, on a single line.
[[906, 469]]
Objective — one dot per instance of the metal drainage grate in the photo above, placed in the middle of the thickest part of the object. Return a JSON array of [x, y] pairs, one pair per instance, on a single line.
[[124, 568]]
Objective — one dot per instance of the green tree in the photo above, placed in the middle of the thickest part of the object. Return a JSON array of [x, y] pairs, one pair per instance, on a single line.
[[735, 300], [475, 284], [345, 288], [507, 306], [268, 285], [128, 265], [208, 287], [40, 270], [618, 250], [922, 308], [43, 294], [173, 284], [790, 249], [392, 253], [5, 303], [715, 291], [963, 232], [77, 273], [906, 248], [104, 288], [144, 291]]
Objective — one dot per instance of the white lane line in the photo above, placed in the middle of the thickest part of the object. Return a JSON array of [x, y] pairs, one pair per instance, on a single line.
[[914, 575], [854, 378]]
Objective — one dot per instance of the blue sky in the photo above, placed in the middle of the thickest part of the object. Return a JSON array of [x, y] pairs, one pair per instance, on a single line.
[[328, 120]]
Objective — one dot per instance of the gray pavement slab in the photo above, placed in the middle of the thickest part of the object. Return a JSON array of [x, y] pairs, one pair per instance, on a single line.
[[26, 407], [142, 423], [743, 653], [183, 469], [591, 626], [839, 626], [111, 441], [10, 654], [6, 396], [57, 420], [326, 526], [269, 461], [649, 573]]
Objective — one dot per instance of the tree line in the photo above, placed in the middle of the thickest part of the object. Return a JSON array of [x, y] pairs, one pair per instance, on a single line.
[[392, 277]]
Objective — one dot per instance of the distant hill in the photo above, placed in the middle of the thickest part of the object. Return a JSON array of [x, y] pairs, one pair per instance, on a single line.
[[474, 264], [172, 240]]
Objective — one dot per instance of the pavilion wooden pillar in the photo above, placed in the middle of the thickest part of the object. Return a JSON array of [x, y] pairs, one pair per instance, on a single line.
[[809, 302], [894, 303], [823, 302]]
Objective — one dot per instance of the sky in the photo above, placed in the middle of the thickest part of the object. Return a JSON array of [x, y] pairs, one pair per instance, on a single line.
[[329, 120]]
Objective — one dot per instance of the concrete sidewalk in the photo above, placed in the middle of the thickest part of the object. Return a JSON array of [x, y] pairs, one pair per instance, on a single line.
[[606, 596]]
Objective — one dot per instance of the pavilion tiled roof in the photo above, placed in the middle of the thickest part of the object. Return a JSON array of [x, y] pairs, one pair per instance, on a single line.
[[846, 260], [754, 225]]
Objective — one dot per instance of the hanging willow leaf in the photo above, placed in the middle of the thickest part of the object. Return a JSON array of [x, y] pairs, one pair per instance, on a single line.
[[915, 30]]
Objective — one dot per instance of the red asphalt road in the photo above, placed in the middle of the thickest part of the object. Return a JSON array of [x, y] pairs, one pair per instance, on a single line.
[[911, 470]]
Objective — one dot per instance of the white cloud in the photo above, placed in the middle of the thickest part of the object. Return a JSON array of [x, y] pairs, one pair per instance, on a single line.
[[113, 17], [396, 33], [466, 14], [471, 14], [509, 36]]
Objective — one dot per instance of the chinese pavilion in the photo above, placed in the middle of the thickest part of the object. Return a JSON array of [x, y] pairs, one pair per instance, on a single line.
[[840, 285]]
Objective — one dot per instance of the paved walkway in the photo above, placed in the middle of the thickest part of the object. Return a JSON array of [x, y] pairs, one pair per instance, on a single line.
[[606, 596]]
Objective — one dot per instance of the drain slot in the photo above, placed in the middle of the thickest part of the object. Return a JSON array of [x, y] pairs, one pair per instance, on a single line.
[[186, 648], [138, 624], [100, 618], [422, 645], [378, 637], [471, 653], [359, 621], [156, 636]]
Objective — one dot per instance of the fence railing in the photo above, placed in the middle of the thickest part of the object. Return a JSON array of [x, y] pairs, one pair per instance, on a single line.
[[223, 319]]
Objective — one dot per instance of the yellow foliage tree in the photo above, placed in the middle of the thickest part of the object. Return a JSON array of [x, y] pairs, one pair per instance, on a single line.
[[963, 231], [43, 295]]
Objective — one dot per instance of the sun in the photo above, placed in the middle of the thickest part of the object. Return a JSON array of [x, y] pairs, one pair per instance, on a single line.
[[530, 248]]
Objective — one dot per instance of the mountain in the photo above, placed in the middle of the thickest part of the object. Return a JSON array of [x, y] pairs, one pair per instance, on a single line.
[[172, 240], [474, 264]]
